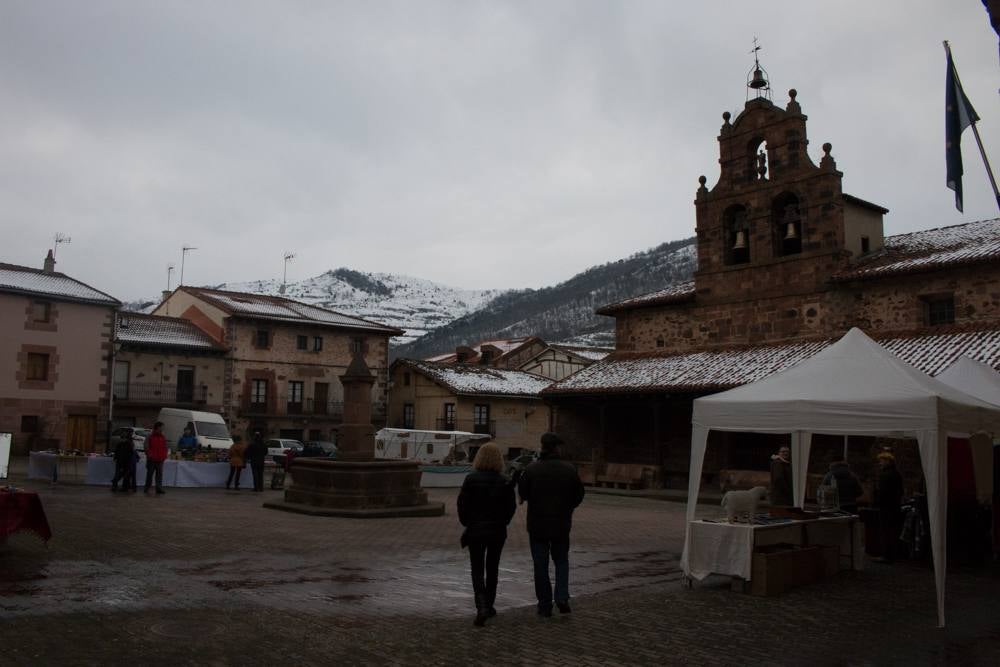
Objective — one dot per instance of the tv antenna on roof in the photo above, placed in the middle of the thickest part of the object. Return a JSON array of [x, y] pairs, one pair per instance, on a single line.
[[170, 269], [284, 276], [184, 252], [59, 238]]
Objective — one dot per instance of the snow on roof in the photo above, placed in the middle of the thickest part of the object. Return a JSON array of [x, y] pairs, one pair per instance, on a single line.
[[931, 249], [590, 353], [26, 280], [259, 306], [480, 380], [674, 294], [722, 369], [505, 345], [140, 329]]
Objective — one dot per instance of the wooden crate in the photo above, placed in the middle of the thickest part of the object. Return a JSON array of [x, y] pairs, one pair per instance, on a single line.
[[777, 568]]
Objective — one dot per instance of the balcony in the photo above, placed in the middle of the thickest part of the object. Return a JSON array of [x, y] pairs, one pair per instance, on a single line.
[[152, 393], [332, 410], [468, 425]]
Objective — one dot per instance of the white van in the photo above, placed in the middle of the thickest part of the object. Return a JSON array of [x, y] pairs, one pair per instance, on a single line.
[[427, 446], [208, 428]]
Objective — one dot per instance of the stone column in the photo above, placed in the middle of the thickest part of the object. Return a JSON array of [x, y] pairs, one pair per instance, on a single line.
[[356, 441]]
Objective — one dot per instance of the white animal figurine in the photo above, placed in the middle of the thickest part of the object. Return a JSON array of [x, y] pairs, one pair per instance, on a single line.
[[740, 503]]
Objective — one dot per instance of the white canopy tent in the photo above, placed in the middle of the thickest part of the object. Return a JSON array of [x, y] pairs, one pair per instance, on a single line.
[[853, 387], [980, 380]]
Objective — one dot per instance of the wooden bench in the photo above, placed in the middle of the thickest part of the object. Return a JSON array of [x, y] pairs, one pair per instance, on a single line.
[[621, 476]]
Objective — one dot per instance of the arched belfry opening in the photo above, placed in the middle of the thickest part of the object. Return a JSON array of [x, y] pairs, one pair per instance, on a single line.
[[736, 235], [786, 224], [757, 160]]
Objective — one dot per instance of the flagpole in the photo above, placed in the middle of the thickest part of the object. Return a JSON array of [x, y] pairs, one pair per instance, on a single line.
[[975, 132]]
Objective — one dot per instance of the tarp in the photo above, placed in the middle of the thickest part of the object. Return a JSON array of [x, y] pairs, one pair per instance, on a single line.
[[853, 387]]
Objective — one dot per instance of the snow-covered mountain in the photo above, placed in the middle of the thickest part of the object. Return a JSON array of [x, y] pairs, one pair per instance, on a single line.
[[413, 304]]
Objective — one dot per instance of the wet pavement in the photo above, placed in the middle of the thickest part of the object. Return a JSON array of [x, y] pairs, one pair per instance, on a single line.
[[211, 577]]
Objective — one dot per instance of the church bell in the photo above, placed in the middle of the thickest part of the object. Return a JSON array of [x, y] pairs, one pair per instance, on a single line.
[[741, 240], [790, 233], [758, 81]]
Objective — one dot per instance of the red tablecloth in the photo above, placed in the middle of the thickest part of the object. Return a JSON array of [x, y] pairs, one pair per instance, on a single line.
[[22, 510]]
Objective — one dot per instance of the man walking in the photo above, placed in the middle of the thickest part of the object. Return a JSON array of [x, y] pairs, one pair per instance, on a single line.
[[552, 489], [156, 454]]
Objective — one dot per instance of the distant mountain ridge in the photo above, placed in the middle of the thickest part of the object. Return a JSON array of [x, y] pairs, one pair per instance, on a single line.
[[565, 312], [437, 318]]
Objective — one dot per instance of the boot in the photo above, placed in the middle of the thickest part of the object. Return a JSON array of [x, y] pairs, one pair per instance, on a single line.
[[482, 612], [491, 611]]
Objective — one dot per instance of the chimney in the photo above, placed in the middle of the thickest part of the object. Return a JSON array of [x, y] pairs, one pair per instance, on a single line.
[[50, 263], [165, 294], [463, 353]]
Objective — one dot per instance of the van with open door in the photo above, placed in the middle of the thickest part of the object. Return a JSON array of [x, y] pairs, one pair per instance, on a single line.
[[209, 428]]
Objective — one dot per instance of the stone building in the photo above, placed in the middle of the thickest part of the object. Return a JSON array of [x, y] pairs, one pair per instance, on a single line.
[[787, 262], [55, 359], [497, 353], [283, 359], [558, 362], [164, 362], [435, 396]]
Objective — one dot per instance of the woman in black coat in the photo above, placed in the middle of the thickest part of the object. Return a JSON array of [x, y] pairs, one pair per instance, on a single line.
[[485, 506]]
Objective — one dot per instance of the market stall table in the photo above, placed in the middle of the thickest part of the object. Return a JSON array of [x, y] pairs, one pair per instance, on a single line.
[[22, 511], [53, 467], [100, 470], [719, 547]]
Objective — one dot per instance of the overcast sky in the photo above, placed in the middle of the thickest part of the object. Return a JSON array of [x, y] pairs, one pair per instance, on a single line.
[[478, 144]]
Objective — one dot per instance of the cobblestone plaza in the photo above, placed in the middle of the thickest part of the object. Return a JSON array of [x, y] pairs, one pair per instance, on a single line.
[[210, 577]]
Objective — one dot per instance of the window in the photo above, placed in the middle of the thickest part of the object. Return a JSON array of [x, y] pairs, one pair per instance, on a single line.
[[481, 418], [406, 379], [302, 342], [866, 245], [660, 342], [939, 310], [295, 391], [430, 447], [41, 311], [449, 416], [317, 343], [409, 416], [38, 366], [258, 392], [357, 345], [29, 423], [263, 339]]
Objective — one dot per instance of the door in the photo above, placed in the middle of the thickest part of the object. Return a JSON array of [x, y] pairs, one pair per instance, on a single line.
[[81, 431], [321, 398], [185, 384]]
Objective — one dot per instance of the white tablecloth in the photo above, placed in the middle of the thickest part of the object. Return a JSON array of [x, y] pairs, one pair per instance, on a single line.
[[52, 467], [100, 470], [727, 548]]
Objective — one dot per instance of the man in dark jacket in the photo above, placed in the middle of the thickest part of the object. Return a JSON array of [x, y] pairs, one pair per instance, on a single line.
[[124, 469], [256, 454], [552, 489], [781, 478], [888, 498], [848, 487]]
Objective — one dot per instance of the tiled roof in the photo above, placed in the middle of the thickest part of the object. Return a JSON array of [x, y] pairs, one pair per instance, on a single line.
[[263, 307], [674, 294], [590, 353], [463, 379], [723, 369], [931, 249], [59, 286], [505, 345], [152, 330]]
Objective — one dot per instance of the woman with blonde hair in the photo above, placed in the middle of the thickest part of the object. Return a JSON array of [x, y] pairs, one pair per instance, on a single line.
[[485, 506]]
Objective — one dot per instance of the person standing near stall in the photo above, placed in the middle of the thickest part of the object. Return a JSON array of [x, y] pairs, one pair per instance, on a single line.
[[781, 478], [236, 461], [889, 498], [124, 469], [156, 454], [255, 454]]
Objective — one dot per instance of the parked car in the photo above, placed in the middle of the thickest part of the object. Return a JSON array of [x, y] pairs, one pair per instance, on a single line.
[[281, 446], [517, 465], [319, 449], [137, 434]]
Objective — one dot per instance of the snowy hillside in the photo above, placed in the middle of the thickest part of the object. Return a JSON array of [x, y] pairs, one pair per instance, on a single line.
[[413, 304]]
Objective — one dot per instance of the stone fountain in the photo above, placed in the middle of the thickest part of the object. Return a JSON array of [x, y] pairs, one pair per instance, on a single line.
[[356, 484]]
